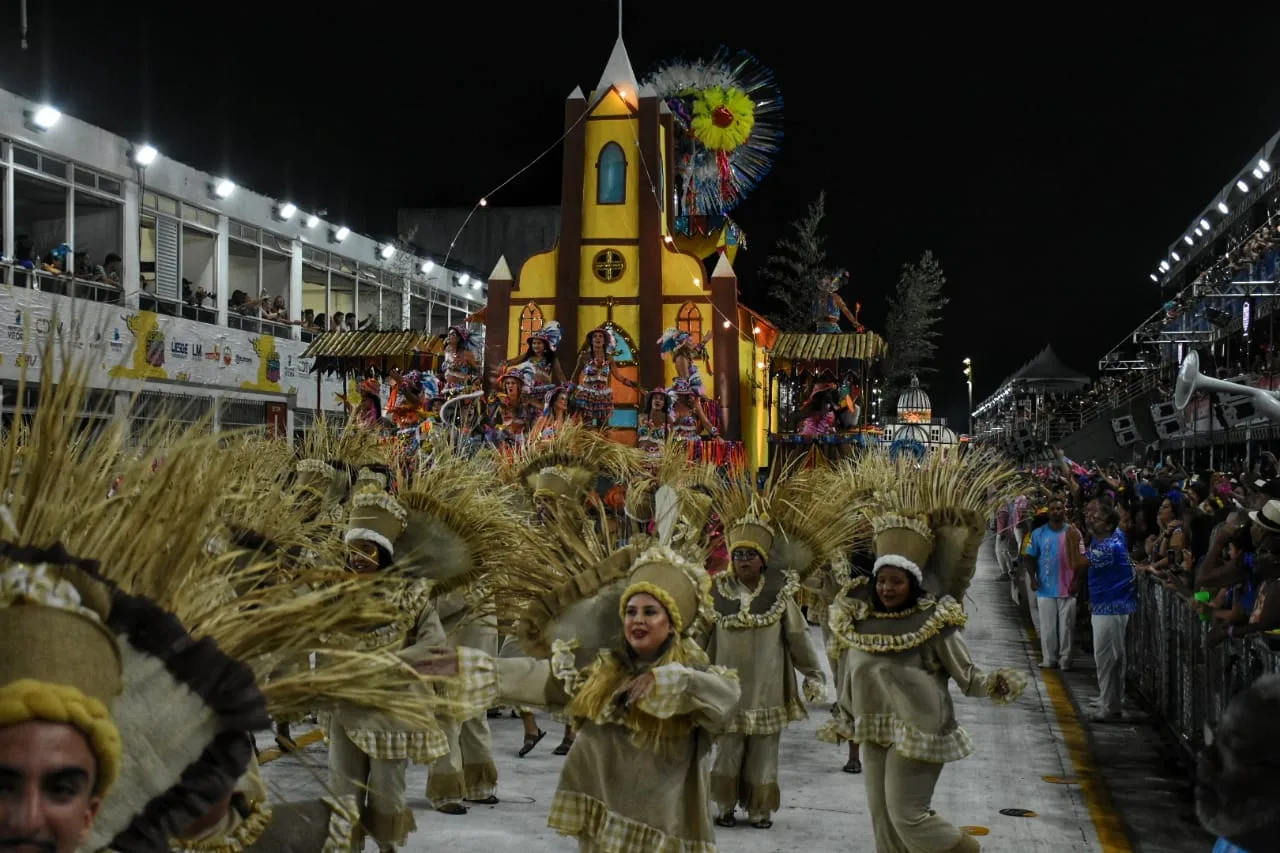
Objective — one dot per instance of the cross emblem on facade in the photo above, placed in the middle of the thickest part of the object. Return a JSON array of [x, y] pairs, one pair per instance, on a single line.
[[608, 265]]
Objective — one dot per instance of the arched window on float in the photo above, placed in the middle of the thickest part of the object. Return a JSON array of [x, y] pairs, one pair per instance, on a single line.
[[690, 320], [530, 321], [611, 175]]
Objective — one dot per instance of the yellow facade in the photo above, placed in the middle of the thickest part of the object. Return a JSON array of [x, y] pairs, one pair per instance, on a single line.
[[617, 228]]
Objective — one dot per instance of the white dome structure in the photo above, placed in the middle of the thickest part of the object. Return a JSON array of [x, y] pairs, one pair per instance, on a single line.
[[914, 406]]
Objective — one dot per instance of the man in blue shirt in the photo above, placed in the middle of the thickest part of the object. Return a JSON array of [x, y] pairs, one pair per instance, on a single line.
[[1113, 598]]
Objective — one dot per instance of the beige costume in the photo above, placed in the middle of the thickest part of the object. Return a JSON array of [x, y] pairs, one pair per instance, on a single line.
[[635, 780], [762, 635], [893, 696], [468, 771], [368, 752]]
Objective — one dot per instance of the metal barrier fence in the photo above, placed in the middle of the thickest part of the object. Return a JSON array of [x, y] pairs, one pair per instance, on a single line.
[[1184, 683]]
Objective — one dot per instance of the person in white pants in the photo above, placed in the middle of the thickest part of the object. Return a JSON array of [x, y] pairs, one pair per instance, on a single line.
[[1113, 598], [1056, 552]]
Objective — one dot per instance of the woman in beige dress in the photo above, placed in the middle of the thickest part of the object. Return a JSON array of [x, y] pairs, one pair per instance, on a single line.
[[646, 709]]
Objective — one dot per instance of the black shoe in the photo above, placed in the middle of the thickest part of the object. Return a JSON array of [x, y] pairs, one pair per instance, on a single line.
[[530, 741], [490, 800]]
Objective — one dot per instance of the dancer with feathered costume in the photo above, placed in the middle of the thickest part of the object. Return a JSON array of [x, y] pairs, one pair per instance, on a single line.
[[899, 636], [617, 626], [777, 537]]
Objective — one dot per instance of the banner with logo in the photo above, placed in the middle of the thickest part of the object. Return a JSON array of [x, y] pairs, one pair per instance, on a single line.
[[125, 346]]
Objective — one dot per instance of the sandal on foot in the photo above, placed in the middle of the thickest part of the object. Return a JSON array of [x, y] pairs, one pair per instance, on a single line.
[[530, 741], [490, 800], [726, 820], [854, 765], [762, 823], [563, 748], [452, 808]]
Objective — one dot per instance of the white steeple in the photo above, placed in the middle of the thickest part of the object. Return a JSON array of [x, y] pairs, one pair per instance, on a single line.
[[723, 269], [618, 74], [501, 271]]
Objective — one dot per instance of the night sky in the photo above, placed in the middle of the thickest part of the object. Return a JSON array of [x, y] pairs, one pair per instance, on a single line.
[[1048, 162]]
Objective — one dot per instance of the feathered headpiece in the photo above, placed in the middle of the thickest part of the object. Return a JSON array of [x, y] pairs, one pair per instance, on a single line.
[[832, 282], [550, 334], [674, 339], [464, 335]]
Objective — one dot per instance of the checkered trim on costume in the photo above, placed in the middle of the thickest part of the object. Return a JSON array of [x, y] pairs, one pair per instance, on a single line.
[[671, 681], [767, 721], [580, 816], [420, 747], [838, 729], [344, 814], [476, 686], [910, 742]]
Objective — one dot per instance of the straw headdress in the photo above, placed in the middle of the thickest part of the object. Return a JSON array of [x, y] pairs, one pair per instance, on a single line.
[[569, 464], [930, 516], [803, 530], [200, 650]]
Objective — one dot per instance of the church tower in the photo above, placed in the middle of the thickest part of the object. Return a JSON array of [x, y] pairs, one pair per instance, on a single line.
[[615, 263]]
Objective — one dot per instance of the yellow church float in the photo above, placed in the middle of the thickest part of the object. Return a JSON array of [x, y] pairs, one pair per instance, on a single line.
[[629, 263]]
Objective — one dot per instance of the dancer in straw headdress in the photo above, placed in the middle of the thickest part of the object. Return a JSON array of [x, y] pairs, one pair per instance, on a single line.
[[461, 520], [174, 639], [563, 471], [616, 626], [776, 538], [899, 635]]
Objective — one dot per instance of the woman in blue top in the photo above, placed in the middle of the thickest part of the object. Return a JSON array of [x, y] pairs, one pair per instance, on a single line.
[[1112, 595]]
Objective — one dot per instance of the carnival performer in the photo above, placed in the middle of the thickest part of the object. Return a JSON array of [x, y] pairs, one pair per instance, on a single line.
[[688, 421], [413, 390], [513, 410], [682, 348], [476, 531], [655, 422], [830, 306], [760, 632], [114, 646], [645, 700], [368, 753], [901, 646], [458, 365], [540, 359], [593, 377], [368, 412], [556, 413]]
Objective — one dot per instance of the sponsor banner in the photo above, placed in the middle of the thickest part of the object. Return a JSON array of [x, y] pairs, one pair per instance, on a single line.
[[124, 347]]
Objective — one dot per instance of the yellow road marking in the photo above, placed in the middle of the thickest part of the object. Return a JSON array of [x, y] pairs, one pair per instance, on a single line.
[[1097, 797], [303, 740]]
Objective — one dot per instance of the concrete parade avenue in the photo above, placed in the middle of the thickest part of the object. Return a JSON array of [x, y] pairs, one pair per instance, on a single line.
[[1037, 755]]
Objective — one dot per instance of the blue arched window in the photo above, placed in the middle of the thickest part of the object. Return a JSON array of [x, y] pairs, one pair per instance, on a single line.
[[611, 175]]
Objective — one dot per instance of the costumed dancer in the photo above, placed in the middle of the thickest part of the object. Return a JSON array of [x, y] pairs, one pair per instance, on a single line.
[[557, 411], [562, 473], [759, 631], [458, 364], [471, 529], [186, 702], [540, 359], [655, 422], [514, 410], [688, 421], [368, 752], [901, 645], [616, 629], [830, 306], [368, 412], [682, 348], [594, 375]]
